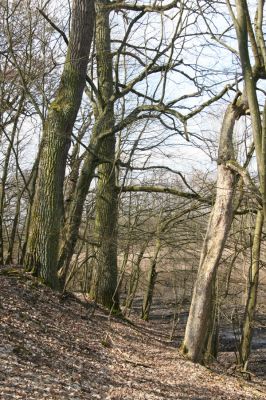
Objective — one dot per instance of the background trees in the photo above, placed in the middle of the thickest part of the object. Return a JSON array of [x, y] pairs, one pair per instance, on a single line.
[[119, 106]]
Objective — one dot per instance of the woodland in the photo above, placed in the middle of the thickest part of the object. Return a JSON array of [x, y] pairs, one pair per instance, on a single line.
[[132, 199]]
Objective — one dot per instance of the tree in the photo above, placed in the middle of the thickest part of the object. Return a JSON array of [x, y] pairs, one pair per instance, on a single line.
[[199, 320], [47, 211], [246, 35], [250, 309], [105, 288], [102, 147]]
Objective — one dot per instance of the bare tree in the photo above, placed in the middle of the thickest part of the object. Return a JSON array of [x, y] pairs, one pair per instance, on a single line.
[[47, 212]]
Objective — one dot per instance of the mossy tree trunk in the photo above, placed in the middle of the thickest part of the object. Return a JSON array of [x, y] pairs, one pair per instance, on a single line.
[[101, 146], [251, 75], [218, 227], [250, 309], [106, 290], [47, 210]]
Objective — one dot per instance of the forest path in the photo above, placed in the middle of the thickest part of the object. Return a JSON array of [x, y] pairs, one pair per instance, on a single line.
[[54, 348]]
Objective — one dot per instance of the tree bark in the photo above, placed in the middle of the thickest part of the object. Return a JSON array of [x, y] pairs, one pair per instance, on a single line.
[[214, 242], [134, 280], [47, 211], [247, 328], [5, 175], [250, 79], [106, 290], [152, 274], [100, 145], [211, 343]]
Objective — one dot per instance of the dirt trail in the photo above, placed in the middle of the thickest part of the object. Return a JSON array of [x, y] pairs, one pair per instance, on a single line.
[[53, 348]]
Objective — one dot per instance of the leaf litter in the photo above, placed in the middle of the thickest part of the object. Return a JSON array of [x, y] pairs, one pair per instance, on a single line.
[[66, 348]]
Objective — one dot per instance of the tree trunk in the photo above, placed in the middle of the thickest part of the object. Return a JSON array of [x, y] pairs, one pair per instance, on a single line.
[[47, 211], [75, 163], [247, 328], [2, 193], [5, 175], [106, 290], [31, 184], [217, 231], [9, 257], [250, 79], [211, 343], [100, 146], [134, 280], [152, 274]]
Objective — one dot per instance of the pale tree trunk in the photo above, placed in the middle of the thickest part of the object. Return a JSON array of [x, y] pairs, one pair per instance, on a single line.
[[250, 309], [47, 210], [214, 242]]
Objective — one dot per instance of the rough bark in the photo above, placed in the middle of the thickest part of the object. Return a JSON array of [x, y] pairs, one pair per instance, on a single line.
[[106, 291], [250, 79], [99, 142], [47, 210], [214, 242], [211, 343], [72, 179], [247, 328], [74, 214]]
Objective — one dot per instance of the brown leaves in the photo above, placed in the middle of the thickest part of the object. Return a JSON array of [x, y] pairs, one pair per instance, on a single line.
[[49, 351]]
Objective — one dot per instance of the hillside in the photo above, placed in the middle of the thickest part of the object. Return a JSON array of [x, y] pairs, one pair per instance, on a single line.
[[65, 348]]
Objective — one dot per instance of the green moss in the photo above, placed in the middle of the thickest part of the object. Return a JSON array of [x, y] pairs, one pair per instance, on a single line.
[[10, 271], [116, 312], [184, 349]]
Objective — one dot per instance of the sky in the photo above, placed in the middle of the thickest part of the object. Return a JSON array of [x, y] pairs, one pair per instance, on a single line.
[[203, 62]]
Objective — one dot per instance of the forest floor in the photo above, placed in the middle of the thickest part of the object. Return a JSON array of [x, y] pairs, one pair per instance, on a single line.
[[65, 348]]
